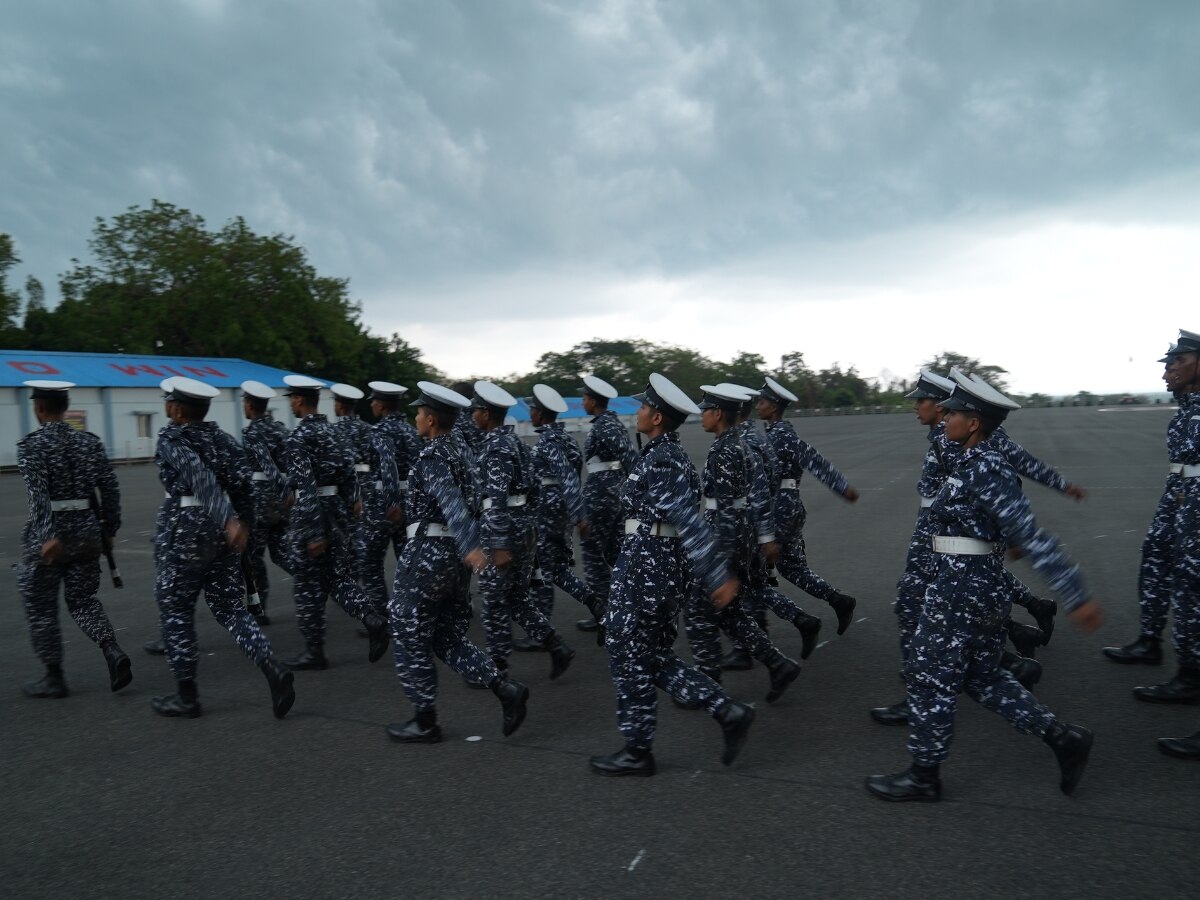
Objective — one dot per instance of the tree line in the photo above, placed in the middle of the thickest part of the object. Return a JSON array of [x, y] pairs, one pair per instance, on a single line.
[[160, 281]]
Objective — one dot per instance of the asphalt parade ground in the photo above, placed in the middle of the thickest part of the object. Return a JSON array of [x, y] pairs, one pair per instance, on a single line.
[[104, 799]]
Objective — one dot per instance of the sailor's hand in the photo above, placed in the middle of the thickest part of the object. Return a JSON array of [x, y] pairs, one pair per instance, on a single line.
[[726, 593], [476, 559], [318, 547], [850, 495], [51, 550], [1087, 618], [236, 534], [501, 558]]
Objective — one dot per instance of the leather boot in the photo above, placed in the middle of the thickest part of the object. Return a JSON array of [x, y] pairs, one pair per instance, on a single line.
[[527, 645], [421, 729], [737, 660], [587, 624], [626, 761], [513, 697], [281, 680], [735, 720], [1043, 611], [809, 628], [1071, 745], [51, 686], [1183, 688], [1028, 672], [120, 672], [783, 672], [1025, 638], [921, 783], [312, 659], [1145, 650], [184, 704], [1181, 748], [896, 714], [843, 606], [155, 648], [379, 633], [560, 654]]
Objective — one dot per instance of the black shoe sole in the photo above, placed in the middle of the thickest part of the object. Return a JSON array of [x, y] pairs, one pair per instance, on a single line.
[[287, 696], [619, 773], [1167, 748], [122, 676], [902, 798], [1170, 701]]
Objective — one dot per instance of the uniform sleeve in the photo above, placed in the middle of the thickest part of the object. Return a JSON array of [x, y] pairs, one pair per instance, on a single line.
[[495, 476], [568, 476], [306, 512], [1188, 450], [203, 483], [448, 494], [668, 490], [1025, 463], [761, 504], [33, 471], [260, 459], [389, 476], [822, 468]]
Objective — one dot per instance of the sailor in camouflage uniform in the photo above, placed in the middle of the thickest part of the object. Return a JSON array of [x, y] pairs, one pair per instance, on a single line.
[[263, 440], [397, 445], [466, 432], [429, 611], [326, 497], [1182, 560], [509, 489], [666, 547], [202, 529], [558, 463], [794, 456], [956, 646], [62, 469], [729, 490], [608, 457]]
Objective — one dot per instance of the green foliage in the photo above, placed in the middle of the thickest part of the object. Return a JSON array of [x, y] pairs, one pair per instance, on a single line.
[[11, 334], [993, 375]]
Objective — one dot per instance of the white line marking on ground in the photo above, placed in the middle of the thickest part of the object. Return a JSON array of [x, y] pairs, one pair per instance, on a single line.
[[820, 645], [1097, 537], [637, 859]]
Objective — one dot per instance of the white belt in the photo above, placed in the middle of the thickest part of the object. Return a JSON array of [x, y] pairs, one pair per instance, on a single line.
[[186, 500], [926, 502], [1192, 471], [260, 476], [788, 484], [962, 546], [403, 485], [361, 467], [327, 490], [714, 503], [548, 480], [511, 500], [595, 465], [379, 485], [657, 529], [68, 505], [432, 529]]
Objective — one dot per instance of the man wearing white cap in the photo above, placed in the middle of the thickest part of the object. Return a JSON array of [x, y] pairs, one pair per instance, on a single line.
[[63, 469], [509, 487], [325, 486], [666, 547], [203, 526], [609, 457], [264, 440], [398, 446]]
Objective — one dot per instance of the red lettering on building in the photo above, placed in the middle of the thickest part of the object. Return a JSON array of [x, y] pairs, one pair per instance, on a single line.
[[201, 371], [33, 368], [172, 371], [132, 371]]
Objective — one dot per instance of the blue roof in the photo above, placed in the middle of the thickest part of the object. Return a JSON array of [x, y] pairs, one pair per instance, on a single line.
[[622, 406], [125, 370]]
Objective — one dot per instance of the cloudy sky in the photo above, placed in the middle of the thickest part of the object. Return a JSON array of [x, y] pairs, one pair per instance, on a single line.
[[866, 182]]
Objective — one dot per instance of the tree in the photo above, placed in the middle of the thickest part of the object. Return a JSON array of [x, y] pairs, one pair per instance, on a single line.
[[11, 333], [993, 375]]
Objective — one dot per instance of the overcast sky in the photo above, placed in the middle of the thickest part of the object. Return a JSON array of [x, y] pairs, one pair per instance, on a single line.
[[868, 183]]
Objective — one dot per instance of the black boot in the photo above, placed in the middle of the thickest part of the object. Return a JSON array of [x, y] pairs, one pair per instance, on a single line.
[[379, 634], [595, 606], [737, 660], [312, 659], [1028, 672], [185, 704], [283, 694], [1183, 688], [50, 686], [120, 672], [155, 648], [527, 645], [1043, 611], [500, 663], [921, 783], [1181, 748], [1025, 638], [513, 698], [896, 714], [421, 729], [1071, 745], [1145, 650], [587, 624], [735, 720], [560, 654], [626, 761], [843, 606], [809, 628], [783, 672]]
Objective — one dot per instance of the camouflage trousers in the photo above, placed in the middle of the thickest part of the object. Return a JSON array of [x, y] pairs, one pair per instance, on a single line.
[[179, 579], [316, 579], [1155, 590], [649, 586], [956, 648], [554, 560], [920, 567], [704, 623], [793, 562], [266, 539], [505, 598], [606, 530], [1185, 579], [39, 585], [374, 537], [429, 613]]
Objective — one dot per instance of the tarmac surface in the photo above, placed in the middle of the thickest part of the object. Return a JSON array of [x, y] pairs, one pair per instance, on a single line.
[[104, 799]]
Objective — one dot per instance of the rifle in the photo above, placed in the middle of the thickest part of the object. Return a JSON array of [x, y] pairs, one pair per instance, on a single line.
[[106, 544], [253, 601]]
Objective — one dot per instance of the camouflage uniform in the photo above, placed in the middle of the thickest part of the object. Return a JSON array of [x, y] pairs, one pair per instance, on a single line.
[[558, 463], [322, 477], [207, 482], [429, 611], [59, 463], [263, 440], [1184, 439], [959, 637], [609, 456], [397, 445], [652, 579], [466, 431]]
